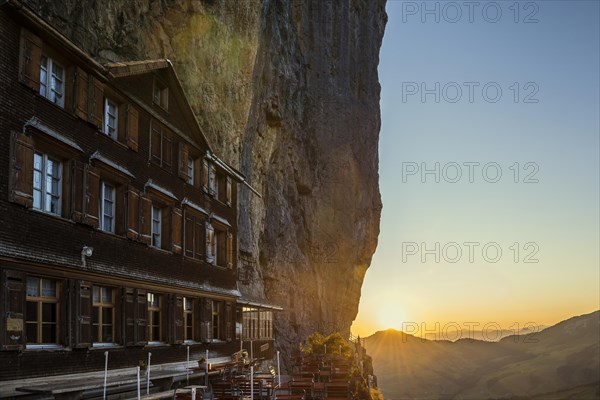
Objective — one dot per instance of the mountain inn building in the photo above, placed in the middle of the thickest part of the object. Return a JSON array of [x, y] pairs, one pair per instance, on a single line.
[[119, 222]]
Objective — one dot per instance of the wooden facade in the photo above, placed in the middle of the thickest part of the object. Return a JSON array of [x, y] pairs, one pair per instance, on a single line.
[[119, 223]]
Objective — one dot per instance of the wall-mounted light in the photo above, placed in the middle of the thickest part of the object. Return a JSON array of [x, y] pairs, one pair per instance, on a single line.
[[86, 251]]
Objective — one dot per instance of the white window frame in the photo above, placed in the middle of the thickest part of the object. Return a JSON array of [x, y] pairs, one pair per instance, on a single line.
[[107, 211], [40, 188], [190, 170], [156, 226], [212, 180], [111, 131], [211, 244], [49, 79]]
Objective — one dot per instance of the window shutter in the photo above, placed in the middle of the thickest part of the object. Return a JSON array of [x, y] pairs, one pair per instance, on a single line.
[[197, 175], [132, 127], [146, 221], [228, 322], [129, 316], [205, 175], [21, 169], [120, 212], [197, 319], [77, 190], [96, 101], [30, 58], [69, 89], [166, 217], [12, 307], [199, 238], [92, 197], [207, 320], [178, 325], [81, 93], [188, 237], [229, 250], [176, 228], [221, 254], [183, 161], [83, 314], [229, 194], [141, 317], [65, 330], [133, 213]]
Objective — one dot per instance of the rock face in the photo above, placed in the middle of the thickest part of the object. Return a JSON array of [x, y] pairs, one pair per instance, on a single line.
[[287, 91]]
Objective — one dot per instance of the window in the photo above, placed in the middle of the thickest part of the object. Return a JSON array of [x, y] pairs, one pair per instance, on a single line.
[[160, 95], [257, 323], [154, 318], [211, 244], [194, 232], [47, 178], [212, 180], [188, 319], [161, 146], [190, 171], [103, 316], [266, 324], [52, 78], [216, 319], [42, 310], [107, 207], [156, 226], [111, 115]]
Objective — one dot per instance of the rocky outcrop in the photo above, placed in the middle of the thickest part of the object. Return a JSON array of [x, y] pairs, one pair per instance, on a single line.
[[288, 92]]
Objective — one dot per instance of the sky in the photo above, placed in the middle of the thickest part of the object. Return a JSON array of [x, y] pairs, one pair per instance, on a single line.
[[489, 167]]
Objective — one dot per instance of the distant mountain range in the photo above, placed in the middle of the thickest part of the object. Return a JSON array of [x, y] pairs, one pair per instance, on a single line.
[[560, 362]]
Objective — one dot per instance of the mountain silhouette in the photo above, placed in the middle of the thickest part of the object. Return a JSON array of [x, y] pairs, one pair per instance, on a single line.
[[564, 358]]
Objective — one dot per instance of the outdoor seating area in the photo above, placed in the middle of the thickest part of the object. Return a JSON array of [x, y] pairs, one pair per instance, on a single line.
[[314, 377]]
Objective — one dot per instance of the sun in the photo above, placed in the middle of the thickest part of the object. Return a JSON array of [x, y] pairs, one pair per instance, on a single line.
[[391, 317]]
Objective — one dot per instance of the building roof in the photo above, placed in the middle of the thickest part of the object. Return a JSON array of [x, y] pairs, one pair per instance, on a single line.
[[255, 301]]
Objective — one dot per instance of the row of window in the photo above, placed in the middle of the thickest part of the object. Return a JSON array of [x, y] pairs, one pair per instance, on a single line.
[[118, 120], [194, 319], [52, 78], [100, 196]]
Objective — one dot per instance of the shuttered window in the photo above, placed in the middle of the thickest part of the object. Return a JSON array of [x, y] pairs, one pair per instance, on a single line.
[[194, 243], [160, 95], [111, 118], [211, 244], [161, 145], [52, 80], [107, 207], [47, 183], [156, 226]]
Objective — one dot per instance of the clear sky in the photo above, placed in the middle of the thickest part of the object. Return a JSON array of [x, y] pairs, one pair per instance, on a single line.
[[541, 133]]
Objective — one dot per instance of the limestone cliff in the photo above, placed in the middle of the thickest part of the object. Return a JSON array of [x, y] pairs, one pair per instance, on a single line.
[[287, 91]]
